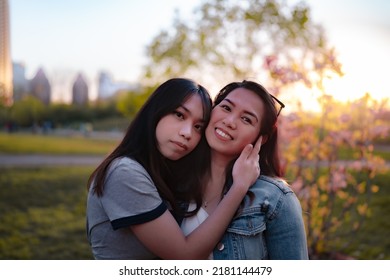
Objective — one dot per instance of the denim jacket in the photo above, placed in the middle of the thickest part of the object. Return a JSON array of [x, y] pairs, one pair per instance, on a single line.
[[269, 226]]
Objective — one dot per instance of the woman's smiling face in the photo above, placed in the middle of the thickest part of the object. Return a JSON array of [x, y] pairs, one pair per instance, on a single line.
[[235, 122]]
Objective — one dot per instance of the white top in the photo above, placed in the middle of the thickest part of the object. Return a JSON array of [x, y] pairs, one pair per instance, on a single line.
[[191, 223]]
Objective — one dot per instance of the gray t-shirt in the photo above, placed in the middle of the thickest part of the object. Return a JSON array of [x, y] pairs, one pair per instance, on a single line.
[[129, 198]]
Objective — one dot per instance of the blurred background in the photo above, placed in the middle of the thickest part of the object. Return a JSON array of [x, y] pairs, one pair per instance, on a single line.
[[74, 73]]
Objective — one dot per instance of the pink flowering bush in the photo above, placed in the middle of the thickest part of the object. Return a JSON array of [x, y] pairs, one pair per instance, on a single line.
[[329, 157]]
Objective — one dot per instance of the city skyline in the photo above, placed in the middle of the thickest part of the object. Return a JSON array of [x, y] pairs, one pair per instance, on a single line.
[[111, 37], [39, 86]]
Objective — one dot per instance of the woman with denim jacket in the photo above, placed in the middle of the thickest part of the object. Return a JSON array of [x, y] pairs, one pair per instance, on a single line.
[[269, 223]]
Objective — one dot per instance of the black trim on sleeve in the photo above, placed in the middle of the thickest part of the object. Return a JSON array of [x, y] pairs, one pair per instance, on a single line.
[[140, 218]]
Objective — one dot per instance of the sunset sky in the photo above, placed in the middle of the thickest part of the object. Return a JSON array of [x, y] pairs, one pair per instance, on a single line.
[[67, 37]]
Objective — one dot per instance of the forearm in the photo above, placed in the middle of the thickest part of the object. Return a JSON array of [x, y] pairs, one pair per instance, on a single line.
[[164, 238]]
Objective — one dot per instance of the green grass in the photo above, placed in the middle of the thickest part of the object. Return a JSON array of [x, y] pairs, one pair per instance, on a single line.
[[372, 240], [43, 208], [347, 153], [48, 144], [43, 213]]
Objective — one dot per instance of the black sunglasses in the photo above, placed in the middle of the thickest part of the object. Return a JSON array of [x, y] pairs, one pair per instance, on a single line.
[[257, 85], [280, 103]]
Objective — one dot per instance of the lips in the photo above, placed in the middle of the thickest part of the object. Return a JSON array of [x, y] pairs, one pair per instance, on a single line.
[[180, 145], [223, 134]]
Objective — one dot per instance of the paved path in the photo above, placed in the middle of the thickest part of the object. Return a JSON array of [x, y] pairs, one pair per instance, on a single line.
[[47, 160]]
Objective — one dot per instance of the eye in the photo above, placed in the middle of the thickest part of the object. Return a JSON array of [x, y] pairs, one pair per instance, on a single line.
[[247, 120], [225, 107], [179, 114], [199, 127]]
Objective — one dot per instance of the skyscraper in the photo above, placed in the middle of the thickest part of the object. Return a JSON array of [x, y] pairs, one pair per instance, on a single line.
[[40, 87], [20, 83], [80, 91], [5, 53], [107, 88]]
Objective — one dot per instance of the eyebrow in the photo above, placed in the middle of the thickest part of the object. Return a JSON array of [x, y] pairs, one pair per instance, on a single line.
[[245, 111], [190, 113]]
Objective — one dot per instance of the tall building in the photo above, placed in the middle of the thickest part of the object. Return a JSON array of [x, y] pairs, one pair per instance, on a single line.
[[80, 91], [20, 83], [40, 87], [5, 53], [108, 88]]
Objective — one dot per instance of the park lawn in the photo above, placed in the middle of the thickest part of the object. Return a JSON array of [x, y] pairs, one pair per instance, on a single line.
[[43, 213], [370, 242], [27, 143], [23, 143], [347, 153]]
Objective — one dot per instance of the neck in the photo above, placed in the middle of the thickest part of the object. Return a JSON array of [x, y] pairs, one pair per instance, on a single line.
[[219, 163], [216, 181]]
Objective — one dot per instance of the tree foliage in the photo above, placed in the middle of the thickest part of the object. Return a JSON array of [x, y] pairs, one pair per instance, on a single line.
[[31, 112], [129, 103], [231, 40], [28, 111]]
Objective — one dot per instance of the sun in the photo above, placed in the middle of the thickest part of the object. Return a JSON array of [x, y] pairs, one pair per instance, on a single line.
[[351, 87]]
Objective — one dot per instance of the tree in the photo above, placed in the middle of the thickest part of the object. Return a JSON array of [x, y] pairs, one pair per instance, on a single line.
[[27, 112], [331, 162], [129, 103], [232, 40]]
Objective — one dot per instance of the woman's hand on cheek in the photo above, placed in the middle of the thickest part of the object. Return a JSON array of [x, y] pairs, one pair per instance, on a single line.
[[246, 169]]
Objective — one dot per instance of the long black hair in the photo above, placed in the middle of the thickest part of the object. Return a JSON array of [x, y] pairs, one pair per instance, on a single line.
[[177, 181]]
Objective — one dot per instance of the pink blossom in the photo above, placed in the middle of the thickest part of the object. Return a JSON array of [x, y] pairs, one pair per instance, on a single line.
[[345, 118], [338, 179], [297, 184], [380, 131], [357, 164]]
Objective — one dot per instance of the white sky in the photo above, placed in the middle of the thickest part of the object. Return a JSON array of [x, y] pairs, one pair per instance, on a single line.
[[87, 36]]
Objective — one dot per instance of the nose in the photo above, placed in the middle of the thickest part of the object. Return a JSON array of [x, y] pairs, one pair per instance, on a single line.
[[186, 131], [230, 121]]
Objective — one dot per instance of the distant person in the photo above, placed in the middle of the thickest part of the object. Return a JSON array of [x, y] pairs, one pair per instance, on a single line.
[[135, 194], [269, 222]]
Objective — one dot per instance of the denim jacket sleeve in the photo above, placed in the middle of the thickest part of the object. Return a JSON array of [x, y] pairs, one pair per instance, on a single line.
[[285, 234], [269, 226]]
